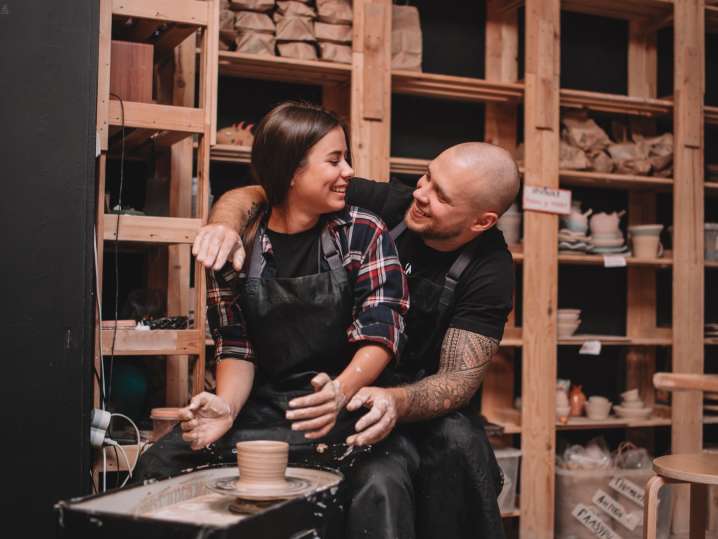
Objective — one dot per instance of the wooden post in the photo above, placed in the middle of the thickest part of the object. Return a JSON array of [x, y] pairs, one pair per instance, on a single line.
[[371, 88], [688, 216], [641, 293], [540, 285]]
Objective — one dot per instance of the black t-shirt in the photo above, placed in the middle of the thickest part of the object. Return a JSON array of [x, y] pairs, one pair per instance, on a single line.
[[296, 255], [484, 293]]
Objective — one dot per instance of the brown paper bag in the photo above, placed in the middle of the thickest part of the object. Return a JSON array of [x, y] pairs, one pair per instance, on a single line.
[[226, 29], [584, 133], [630, 158], [298, 49], [295, 29], [601, 162], [252, 5], [333, 33], [253, 21], [333, 52], [335, 11], [406, 40], [255, 43], [659, 149], [296, 9], [572, 158]]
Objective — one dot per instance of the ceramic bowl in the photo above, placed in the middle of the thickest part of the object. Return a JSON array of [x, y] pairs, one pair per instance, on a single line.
[[568, 327], [631, 413], [597, 399], [607, 242], [630, 395], [570, 315], [599, 414], [632, 404], [599, 406]]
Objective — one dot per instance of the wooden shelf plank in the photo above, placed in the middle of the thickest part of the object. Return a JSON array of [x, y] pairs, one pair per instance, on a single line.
[[408, 165], [455, 88], [192, 12], [614, 103], [615, 340], [597, 260], [711, 115], [621, 9], [277, 68], [516, 513], [156, 117], [147, 229], [711, 341], [156, 342], [617, 181], [711, 188], [231, 153], [712, 264]]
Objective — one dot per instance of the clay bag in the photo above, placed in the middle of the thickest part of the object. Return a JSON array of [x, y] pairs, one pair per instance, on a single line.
[[584, 133], [333, 33], [571, 158], [335, 11], [298, 49], [332, 52], [256, 22], [255, 43], [295, 29], [297, 9], [659, 149], [405, 38], [601, 162], [226, 29], [252, 5], [630, 158]]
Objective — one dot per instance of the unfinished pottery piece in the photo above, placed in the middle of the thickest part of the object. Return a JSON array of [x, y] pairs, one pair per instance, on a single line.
[[301, 481], [632, 413], [163, 421]]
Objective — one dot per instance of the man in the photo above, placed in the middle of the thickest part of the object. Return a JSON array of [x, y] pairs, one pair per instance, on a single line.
[[461, 283]]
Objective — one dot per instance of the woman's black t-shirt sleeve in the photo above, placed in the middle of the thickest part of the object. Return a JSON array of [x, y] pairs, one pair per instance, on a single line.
[[388, 200]]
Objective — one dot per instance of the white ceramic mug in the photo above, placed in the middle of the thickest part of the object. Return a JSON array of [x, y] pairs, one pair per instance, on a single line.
[[646, 246]]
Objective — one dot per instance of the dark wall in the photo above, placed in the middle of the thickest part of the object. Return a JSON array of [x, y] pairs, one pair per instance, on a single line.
[[48, 69]]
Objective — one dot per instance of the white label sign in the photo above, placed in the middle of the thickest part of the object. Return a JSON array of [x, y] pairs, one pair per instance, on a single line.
[[546, 199], [614, 261], [590, 348], [593, 522], [629, 489], [616, 511]]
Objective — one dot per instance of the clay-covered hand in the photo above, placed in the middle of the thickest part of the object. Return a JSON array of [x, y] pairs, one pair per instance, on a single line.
[[317, 413], [206, 419], [215, 244], [379, 421]]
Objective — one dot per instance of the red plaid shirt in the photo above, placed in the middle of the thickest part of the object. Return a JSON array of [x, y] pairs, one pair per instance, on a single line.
[[381, 293]]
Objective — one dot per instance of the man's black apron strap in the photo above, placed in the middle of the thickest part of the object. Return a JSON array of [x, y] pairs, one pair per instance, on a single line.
[[398, 230]]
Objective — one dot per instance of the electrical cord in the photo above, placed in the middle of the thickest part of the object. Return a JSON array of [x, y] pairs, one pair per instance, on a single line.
[[101, 375], [117, 241], [139, 446]]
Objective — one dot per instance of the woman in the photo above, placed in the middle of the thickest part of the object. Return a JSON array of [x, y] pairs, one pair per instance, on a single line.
[[317, 316]]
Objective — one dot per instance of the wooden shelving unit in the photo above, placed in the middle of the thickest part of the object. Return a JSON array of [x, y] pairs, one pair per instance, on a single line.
[[179, 125]]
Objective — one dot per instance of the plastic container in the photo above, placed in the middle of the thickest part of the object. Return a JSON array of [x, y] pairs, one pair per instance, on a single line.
[[163, 421], [508, 459]]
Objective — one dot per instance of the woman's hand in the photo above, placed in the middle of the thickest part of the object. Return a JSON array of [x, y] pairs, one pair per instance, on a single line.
[[206, 419], [215, 244], [317, 413]]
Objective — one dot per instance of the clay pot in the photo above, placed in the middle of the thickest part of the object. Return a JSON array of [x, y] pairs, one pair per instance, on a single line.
[[605, 224], [262, 464], [577, 400], [163, 421]]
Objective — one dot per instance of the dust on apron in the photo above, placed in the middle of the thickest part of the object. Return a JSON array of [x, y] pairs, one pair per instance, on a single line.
[[476, 478], [298, 328]]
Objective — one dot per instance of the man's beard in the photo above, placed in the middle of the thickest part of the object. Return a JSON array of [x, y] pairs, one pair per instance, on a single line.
[[429, 231]]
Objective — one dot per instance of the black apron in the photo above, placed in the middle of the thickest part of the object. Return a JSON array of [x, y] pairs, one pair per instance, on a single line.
[[298, 329], [467, 501]]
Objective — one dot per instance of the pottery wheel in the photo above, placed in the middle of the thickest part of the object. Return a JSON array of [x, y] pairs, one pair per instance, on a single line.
[[300, 481]]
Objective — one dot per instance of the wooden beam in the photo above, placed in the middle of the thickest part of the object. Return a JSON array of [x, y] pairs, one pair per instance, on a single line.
[[502, 54], [145, 229], [193, 12], [688, 217], [157, 117], [156, 342], [371, 88], [337, 98], [541, 129], [282, 69], [103, 72]]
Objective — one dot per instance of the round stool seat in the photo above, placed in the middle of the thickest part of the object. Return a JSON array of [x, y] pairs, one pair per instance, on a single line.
[[701, 468]]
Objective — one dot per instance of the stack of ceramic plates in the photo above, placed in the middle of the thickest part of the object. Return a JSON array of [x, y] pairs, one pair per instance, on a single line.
[[711, 330], [572, 242], [607, 243]]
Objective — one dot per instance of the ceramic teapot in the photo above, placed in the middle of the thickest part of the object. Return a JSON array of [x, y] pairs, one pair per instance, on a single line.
[[577, 221], [606, 223]]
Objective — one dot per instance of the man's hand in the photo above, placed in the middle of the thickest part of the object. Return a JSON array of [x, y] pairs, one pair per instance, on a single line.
[[317, 413], [215, 243], [379, 421], [206, 419]]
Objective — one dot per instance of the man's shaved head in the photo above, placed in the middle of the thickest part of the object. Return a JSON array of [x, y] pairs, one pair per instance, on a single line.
[[494, 176]]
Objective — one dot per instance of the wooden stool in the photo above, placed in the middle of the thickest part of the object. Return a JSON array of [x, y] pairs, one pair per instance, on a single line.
[[697, 469]]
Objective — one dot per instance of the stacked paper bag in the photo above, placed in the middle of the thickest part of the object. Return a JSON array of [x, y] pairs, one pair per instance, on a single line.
[[334, 30], [255, 28], [295, 29]]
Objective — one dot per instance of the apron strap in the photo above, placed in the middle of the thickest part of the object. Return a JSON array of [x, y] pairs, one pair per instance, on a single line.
[[398, 230], [453, 276], [255, 259], [330, 250]]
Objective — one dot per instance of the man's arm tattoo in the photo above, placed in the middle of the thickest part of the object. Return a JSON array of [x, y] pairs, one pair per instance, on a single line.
[[465, 355]]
